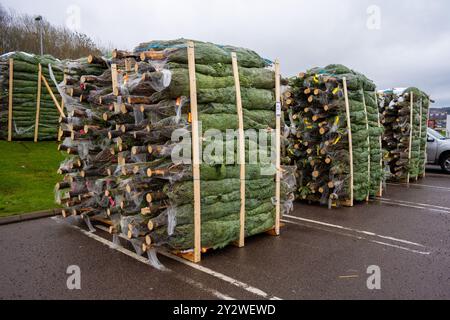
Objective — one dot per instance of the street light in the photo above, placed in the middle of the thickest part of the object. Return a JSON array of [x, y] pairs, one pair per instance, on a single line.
[[39, 19]]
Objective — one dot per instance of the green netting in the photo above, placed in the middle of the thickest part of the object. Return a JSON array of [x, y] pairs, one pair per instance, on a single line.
[[318, 141], [125, 145], [395, 108]]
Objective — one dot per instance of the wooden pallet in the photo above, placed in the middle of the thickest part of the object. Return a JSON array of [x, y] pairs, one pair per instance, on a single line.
[[93, 223], [344, 203], [189, 255], [334, 204]]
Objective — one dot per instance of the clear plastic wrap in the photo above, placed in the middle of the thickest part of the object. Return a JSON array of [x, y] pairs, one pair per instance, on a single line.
[[127, 140]]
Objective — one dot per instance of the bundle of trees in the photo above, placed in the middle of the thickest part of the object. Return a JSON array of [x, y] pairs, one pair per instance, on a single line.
[[25, 76], [334, 136], [73, 85], [31, 98], [404, 114], [120, 135]]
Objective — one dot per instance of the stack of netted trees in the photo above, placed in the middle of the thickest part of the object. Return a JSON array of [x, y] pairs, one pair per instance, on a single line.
[[75, 69], [404, 115], [23, 68], [29, 97], [140, 115], [335, 136]]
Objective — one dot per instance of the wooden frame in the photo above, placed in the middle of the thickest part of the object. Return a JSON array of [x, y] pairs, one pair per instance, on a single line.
[[380, 192], [426, 145], [368, 143], [195, 153], [38, 104], [60, 131], [55, 101], [10, 100], [195, 256], [411, 129], [350, 142], [41, 78], [278, 147], [115, 79], [241, 145], [420, 134]]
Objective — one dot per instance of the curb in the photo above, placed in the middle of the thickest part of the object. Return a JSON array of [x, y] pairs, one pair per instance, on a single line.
[[29, 216]]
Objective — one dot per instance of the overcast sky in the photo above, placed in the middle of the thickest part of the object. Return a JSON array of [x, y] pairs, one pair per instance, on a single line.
[[408, 46]]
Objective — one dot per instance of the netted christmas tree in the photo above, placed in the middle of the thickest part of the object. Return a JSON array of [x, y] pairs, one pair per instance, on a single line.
[[123, 171], [405, 131], [318, 141]]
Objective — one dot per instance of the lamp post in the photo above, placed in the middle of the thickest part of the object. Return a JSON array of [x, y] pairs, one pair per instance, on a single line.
[[39, 19]]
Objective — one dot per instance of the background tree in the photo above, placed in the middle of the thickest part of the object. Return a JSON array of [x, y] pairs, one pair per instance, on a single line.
[[20, 32]]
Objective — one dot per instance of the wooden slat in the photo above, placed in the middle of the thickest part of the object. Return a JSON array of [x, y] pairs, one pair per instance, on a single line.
[[10, 102], [426, 146], [411, 129], [195, 152], [55, 101], [380, 192], [368, 143], [350, 141], [278, 147], [420, 134], [115, 79], [241, 144], [38, 104], [60, 131]]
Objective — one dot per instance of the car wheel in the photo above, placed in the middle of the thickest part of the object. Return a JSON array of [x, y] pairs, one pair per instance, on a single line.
[[445, 163]]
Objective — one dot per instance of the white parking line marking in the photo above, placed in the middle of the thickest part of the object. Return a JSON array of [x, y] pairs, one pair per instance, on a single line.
[[415, 207], [220, 276], [208, 271], [355, 230], [361, 238], [426, 253], [133, 255], [437, 175], [416, 203], [419, 185]]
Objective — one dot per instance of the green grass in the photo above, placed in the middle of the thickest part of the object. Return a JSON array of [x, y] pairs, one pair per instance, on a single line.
[[28, 176]]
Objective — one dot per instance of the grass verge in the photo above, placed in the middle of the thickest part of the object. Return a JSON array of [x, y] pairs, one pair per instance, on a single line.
[[28, 176]]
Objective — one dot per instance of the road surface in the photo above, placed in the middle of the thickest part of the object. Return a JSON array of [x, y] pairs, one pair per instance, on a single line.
[[321, 254]]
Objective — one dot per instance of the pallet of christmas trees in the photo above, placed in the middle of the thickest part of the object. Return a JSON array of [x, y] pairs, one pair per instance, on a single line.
[[24, 72], [122, 138], [334, 136], [24, 94], [404, 114]]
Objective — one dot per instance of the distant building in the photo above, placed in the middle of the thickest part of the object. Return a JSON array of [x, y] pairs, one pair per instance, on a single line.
[[440, 120], [448, 127]]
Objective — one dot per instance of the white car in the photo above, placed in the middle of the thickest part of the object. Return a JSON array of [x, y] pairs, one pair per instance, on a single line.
[[438, 150]]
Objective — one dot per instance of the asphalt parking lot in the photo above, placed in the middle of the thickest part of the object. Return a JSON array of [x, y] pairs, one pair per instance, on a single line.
[[321, 254]]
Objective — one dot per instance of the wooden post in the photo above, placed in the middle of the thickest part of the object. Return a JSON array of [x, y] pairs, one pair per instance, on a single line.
[[380, 192], [420, 136], [115, 79], [38, 104], [241, 144], [195, 152], [278, 147], [60, 131], [411, 129], [350, 140], [426, 146], [10, 101], [368, 145], [55, 101]]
